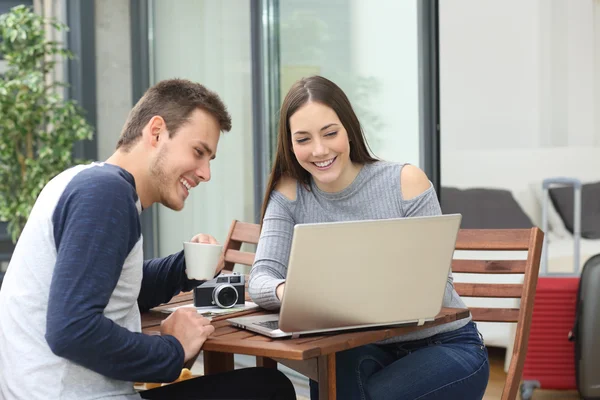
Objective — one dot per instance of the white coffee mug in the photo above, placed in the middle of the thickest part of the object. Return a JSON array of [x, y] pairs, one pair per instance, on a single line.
[[201, 259]]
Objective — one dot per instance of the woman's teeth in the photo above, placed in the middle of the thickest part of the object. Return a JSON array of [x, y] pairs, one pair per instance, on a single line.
[[324, 163], [186, 184]]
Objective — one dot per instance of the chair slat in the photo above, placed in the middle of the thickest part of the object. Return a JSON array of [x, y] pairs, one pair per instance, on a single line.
[[508, 290], [245, 232], [489, 266], [492, 239], [494, 314], [239, 257]]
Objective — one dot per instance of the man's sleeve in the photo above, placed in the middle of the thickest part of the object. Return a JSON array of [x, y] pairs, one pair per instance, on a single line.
[[163, 279], [96, 224]]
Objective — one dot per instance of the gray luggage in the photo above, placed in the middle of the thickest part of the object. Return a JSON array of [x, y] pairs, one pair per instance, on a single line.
[[586, 331]]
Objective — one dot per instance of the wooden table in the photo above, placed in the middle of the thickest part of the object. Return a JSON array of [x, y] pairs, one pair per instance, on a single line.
[[296, 353]]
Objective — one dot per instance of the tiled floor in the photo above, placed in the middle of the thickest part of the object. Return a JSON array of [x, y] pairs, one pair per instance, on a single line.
[[498, 376]]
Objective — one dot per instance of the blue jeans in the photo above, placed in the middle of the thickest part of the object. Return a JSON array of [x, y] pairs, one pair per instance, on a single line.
[[451, 365]]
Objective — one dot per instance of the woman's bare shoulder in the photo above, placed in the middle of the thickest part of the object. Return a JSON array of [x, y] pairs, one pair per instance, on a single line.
[[287, 186], [413, 181]]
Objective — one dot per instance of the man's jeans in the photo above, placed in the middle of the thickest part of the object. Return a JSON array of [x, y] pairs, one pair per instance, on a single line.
[[451, 365]]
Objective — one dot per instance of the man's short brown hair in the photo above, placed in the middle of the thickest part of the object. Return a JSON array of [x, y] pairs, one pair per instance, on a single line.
[[174, 100]]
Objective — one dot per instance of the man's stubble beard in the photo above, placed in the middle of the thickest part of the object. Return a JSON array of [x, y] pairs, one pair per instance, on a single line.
[[163, 181]]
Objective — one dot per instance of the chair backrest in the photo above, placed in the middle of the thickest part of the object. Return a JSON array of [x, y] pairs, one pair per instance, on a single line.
[[530, 240], [239, 233]]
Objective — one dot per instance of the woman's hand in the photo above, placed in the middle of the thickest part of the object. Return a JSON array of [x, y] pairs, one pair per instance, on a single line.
[[279, 291]]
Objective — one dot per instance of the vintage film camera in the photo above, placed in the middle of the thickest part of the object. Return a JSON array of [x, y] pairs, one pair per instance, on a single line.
[[224, 291]]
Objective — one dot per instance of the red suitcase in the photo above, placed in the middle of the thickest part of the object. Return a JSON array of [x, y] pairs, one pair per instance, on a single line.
[[550, 357]]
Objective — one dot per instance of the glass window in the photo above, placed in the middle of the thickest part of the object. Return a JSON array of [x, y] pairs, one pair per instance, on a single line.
[[370, 50], [208, 42]]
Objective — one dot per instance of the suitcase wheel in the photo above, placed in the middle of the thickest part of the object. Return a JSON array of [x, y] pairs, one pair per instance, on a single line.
[[527, 388]]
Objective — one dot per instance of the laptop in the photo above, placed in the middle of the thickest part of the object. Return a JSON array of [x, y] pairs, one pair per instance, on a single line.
[[362, 274]]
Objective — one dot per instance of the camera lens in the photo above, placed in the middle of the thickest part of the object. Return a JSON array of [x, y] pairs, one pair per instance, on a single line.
[[225, 296]]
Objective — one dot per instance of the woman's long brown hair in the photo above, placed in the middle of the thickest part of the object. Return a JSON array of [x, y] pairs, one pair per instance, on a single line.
[[320, 90]]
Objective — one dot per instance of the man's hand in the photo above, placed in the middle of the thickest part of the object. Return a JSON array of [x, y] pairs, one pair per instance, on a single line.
[[190, 328], [204, 238], [279, 291]]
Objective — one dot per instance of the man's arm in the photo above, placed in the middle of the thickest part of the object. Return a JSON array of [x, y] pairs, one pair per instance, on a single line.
[[96, 225], [166, 277], [163, 279]]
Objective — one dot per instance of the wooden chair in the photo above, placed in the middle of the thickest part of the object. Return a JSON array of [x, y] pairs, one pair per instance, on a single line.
[[239, 233], [529, 240]]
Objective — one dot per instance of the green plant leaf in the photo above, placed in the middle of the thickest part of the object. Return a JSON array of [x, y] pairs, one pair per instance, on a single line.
[[38, 128]]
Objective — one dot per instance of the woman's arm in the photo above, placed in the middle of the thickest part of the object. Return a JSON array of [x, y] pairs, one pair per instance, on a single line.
[[273, 250], [418, 198]]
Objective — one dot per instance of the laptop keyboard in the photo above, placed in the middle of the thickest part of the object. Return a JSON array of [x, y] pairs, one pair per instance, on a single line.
[[269, 324]]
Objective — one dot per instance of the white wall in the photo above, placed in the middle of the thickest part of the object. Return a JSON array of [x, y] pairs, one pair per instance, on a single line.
[[56, 10], [518, 74], [488, 74], [113, 72], [113, 65], [520, 94]]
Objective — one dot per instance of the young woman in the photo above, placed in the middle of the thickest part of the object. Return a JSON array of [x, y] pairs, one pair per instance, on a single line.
[[324, 172]]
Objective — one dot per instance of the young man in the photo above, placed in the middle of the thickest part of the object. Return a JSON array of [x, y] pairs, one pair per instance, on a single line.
[[71, 300]]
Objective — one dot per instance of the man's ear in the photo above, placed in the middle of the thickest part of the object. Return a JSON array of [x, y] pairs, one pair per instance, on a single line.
[[156, 130]]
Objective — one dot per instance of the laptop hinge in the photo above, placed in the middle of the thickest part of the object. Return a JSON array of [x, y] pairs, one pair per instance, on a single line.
[[421, 322], [295, 335]]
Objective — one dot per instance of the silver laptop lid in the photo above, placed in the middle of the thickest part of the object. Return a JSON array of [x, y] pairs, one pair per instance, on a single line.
[[367, 272]]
